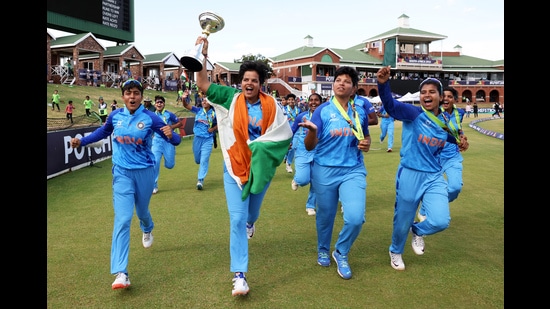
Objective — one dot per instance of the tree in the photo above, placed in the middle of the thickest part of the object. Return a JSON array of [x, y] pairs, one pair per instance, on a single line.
[[257, 57]]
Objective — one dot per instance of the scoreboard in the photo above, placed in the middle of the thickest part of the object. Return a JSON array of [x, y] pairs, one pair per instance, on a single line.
[[106, 19]]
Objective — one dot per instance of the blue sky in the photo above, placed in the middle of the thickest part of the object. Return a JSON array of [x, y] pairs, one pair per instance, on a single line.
[[173, 26]]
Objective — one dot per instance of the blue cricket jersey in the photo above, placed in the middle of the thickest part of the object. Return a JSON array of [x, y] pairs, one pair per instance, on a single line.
[[422, 140], [334, 132], [132, 136]]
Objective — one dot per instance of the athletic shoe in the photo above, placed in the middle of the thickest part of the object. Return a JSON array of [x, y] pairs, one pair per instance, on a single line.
[[199, 185], [323, 259], [294, 185], [310, 211], [396, 261], [417, 244], [250, 230], [147, 239], [342, 263], [240, 286], [389, 150], [155, 190], [122, 281], [420, 217], [288, 168]]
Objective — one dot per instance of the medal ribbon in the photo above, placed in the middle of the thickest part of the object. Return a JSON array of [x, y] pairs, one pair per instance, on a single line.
[[442, 124], [355, 128]]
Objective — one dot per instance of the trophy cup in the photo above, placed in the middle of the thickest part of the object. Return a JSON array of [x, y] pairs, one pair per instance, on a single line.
[[210, 23]]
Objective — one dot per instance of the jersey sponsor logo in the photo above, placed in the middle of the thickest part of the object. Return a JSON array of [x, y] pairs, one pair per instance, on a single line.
[[431, 141], [345, 131], [129, 140]]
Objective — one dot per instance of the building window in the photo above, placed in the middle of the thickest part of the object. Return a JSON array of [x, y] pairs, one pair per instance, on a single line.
[[89, 66]]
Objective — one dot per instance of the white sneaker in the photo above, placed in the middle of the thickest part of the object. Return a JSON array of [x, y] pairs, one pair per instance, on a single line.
[[155, 190], [250, 230], [288, 168], [397, 261], [294, 185], [121, 282], [147, 239], [240, 286], [310, 211], [417, 244], [199, 185]]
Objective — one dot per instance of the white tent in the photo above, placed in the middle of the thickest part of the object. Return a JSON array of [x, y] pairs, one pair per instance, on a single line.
[[375, 99], [410, 97]]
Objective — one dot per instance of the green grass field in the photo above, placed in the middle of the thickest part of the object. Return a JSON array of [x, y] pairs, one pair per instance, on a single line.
[[188, 264]]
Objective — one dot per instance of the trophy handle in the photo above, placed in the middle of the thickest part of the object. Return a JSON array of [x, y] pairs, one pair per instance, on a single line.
[[210, 23]]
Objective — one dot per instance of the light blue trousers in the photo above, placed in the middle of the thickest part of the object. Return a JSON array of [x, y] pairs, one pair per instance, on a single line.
[[240, 212]]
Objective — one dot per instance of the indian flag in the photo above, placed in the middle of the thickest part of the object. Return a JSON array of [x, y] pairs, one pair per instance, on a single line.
[[252, 163], [184, 76]]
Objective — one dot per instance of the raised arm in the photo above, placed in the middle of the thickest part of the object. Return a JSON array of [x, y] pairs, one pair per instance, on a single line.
[[202, 77]]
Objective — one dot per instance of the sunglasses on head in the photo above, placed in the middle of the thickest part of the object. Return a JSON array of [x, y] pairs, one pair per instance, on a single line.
[[431, 80], [131, 82]]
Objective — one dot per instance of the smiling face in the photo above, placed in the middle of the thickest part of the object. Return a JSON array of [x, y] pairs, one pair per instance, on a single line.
[[132, 98], [430, 97], [250, 86], [313, 102], [159, 105], [448, 101]]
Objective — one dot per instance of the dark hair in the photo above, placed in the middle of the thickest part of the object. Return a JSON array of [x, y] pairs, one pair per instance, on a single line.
[[348, 71], [432, 81], [316, 94], [70, 101], [160, 97], [290, 95], [258, 66], [453, 91], [131, 83]]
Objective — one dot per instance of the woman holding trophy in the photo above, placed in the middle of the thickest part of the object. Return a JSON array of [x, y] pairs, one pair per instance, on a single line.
[[254, 138]]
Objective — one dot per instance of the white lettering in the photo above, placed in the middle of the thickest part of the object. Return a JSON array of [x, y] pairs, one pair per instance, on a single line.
[[80, 151]]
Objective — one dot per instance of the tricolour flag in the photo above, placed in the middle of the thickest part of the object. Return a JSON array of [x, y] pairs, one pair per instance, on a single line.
[[252, 163]]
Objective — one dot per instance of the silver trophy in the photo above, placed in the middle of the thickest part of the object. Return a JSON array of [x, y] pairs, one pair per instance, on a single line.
[[210, 23]]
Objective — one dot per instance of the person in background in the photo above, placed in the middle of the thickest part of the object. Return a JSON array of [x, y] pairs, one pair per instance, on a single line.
[[69, 66], [451, 158], [161, 147], [254, 138], [419, 178], [69, 111], [147, 103], [496, 107], [204, 130], [114, 105], [102, 109], [131, 129], [180, 95], [56, 99], [338, 133], [88, 103], [386, 127], [361, 100], [303, 157], [475, 108], [291, 112], [468, 109]]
